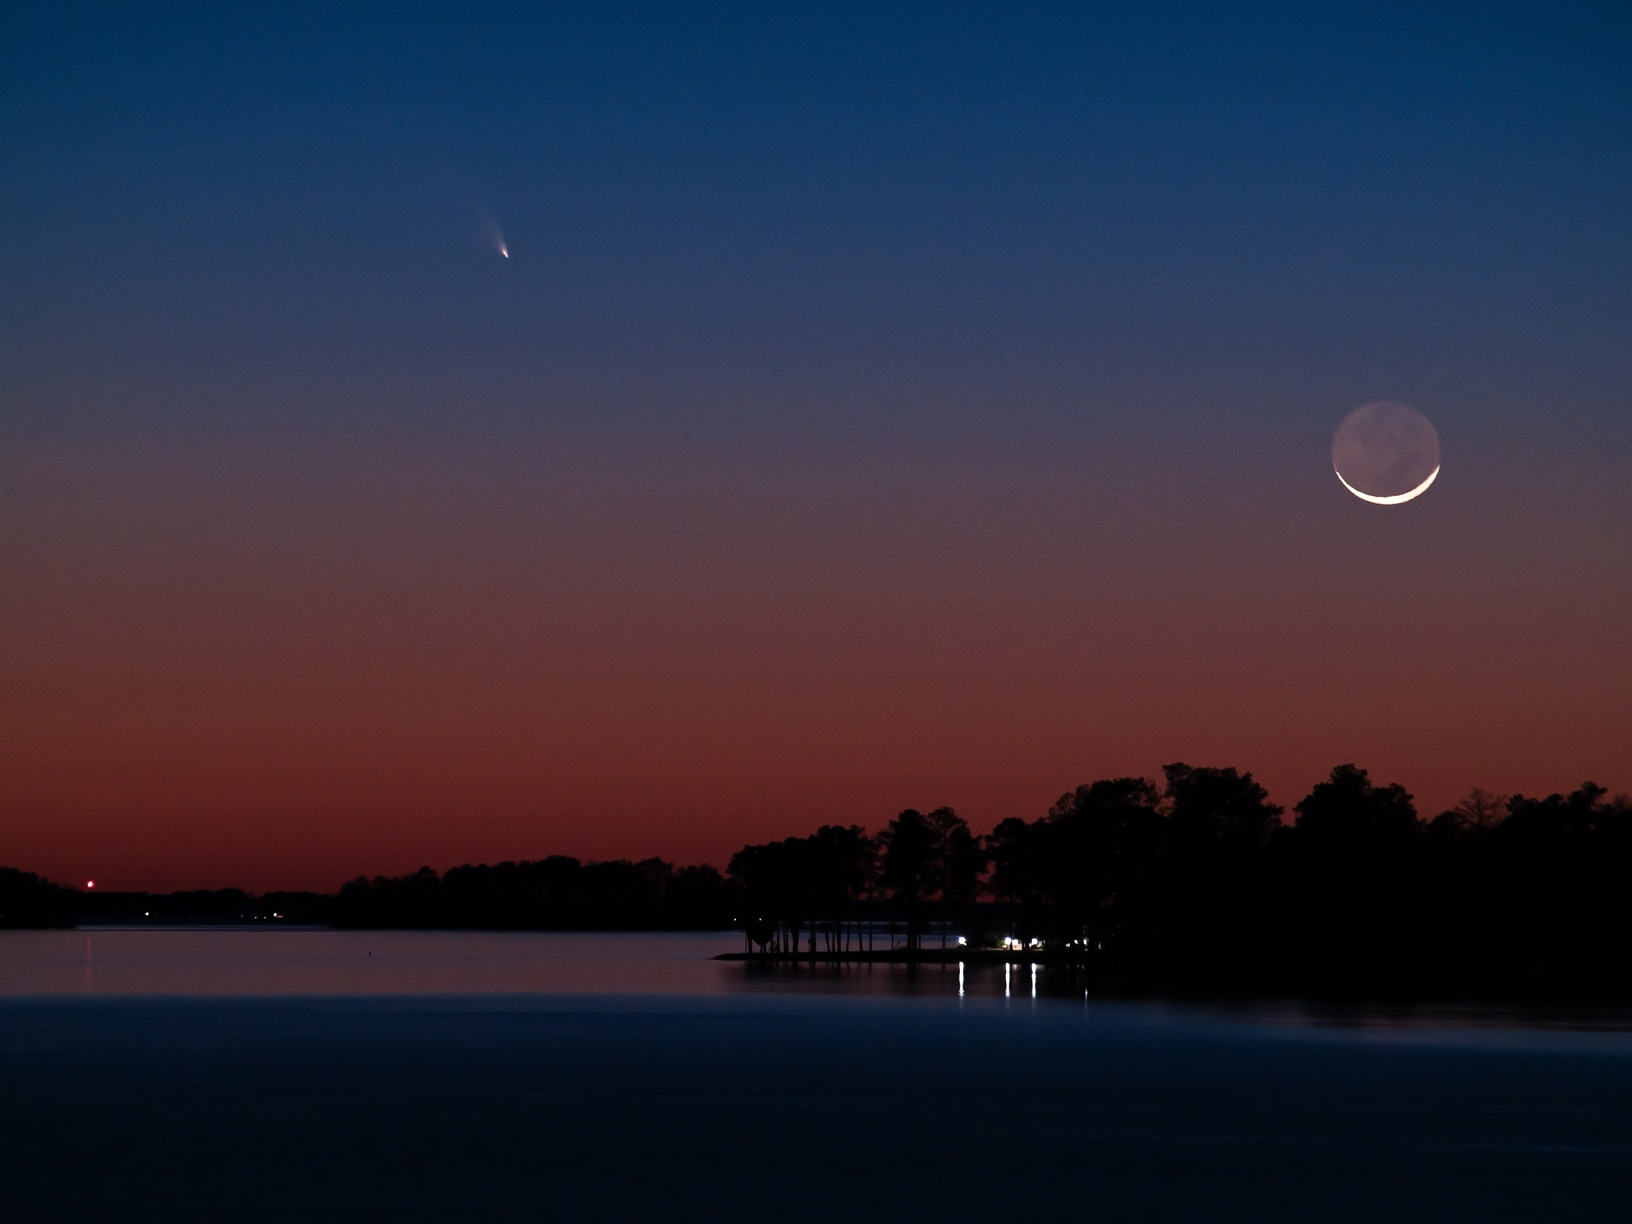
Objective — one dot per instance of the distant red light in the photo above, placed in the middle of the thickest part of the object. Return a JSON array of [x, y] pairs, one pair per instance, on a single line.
[[90, 883]]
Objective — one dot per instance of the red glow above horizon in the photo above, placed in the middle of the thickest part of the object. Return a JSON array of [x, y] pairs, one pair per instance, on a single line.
[[266, 677]]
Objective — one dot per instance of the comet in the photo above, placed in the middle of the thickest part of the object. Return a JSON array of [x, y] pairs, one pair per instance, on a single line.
[[496, 236]]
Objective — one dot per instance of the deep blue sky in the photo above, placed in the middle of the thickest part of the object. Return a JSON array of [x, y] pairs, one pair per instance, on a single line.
[[774, 218], [883, 405]]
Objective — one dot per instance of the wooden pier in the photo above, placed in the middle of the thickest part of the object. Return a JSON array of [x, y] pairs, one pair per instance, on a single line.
[[912, 956]]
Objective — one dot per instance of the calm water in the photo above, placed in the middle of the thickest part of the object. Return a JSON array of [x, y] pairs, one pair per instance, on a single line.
[[270, 961], [232, 961], [262, 961], [316, 1075]]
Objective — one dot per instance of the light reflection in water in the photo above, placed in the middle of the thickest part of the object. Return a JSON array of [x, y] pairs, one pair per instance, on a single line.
[[261, 961], [284, 961]]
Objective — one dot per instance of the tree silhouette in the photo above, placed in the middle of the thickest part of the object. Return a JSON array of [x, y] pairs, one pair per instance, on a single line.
[[1353, 878], [1480, 811], [1197, 889], [787, 883], [27, 900], [933, 857], [1208, 902]]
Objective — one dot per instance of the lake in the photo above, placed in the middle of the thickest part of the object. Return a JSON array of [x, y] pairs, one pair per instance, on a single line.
[[278, 1074]]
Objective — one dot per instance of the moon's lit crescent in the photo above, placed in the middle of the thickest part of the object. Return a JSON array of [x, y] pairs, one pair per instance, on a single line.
[[1390, 501]]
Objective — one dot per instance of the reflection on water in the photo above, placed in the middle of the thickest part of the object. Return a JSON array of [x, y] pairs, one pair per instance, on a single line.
[[229, 961], [259, 961], [226, 961]]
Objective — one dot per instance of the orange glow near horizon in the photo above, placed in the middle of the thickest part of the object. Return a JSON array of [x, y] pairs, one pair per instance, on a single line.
[[242, 670]]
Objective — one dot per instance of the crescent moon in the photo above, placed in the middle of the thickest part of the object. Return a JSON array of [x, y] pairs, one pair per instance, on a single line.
[[1390, 501]]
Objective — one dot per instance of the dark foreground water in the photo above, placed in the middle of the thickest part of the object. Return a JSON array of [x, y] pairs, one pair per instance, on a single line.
[[750, 1100]]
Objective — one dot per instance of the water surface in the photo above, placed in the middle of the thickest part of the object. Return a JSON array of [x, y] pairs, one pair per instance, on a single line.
[[279, 961], [271, 1075]]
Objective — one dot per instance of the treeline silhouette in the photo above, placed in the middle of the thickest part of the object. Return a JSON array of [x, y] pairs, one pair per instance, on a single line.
[[1197, 886], [556, 893], [1200, 888], [26, 900], [205, 906]]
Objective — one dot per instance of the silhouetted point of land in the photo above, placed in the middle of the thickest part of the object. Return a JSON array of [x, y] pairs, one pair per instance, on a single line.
[[1197, 888]]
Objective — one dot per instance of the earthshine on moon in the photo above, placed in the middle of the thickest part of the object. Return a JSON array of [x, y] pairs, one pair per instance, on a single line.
[[1385, 453]]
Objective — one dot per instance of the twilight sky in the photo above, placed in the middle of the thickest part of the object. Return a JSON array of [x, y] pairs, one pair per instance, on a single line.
[[880, 406]]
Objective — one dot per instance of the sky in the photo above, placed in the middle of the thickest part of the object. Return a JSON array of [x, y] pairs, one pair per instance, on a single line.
[[878, 406]]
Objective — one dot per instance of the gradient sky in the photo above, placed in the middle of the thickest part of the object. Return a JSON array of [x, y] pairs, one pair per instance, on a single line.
[[881, 406]]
